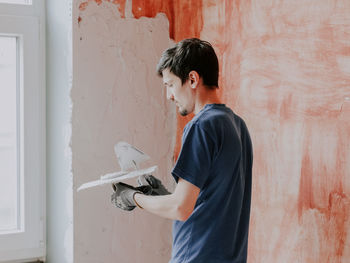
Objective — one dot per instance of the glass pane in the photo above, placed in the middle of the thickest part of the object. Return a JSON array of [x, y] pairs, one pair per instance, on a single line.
[[19, 2], [8, 135]]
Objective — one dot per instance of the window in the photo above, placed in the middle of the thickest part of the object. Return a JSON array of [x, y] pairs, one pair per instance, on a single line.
[[22, 131], [9, 179]]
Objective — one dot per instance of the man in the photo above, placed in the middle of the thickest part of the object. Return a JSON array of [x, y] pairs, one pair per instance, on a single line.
[[211, 202]]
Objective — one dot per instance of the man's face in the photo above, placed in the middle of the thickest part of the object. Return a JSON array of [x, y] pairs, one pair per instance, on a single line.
[[182, 95]]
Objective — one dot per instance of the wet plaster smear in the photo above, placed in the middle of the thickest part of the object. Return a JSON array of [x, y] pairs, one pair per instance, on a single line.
[[118, 96], [285, 68]]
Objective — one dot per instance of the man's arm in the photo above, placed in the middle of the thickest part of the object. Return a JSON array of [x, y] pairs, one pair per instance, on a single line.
[[177, 206]]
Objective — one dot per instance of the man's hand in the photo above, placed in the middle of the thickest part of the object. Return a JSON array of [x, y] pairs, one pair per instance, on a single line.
[[123, 196], [157, 187]]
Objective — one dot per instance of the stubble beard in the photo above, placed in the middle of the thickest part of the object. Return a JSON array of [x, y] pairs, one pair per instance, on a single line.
[[184, 112]]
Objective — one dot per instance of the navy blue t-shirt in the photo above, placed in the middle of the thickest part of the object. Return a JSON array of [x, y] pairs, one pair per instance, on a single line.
[[216, 156]]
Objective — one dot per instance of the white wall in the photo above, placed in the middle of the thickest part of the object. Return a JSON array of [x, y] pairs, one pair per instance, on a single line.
[[59, 178], [117, 96]]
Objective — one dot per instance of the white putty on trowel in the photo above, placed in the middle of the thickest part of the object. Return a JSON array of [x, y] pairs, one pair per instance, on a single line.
[[128, 158]]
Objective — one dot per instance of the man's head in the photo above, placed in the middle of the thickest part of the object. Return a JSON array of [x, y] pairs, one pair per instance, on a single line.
[[186, 65]]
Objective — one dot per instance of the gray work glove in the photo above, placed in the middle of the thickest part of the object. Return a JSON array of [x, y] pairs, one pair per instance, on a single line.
[[123, 196], [157, 187]]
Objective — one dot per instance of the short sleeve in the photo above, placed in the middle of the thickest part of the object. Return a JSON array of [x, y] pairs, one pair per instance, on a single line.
[[194, 161]]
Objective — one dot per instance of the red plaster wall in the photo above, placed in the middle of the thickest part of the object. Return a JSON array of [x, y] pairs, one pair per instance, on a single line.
[[285, 68], [286, 71]]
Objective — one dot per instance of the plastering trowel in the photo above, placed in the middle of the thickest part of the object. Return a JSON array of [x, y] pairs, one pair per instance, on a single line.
[[129, 159]]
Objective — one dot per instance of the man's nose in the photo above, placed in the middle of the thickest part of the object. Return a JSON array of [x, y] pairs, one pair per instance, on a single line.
[[169, 94]]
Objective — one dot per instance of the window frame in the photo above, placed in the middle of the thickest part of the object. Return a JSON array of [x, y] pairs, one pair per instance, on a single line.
[[37, 9], [26, 22]]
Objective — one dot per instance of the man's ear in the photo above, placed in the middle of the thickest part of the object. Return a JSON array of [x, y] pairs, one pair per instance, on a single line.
[[193, 78]]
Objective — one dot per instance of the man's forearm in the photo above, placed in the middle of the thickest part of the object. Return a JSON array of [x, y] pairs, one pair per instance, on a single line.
[[177, 206], [164, 205]]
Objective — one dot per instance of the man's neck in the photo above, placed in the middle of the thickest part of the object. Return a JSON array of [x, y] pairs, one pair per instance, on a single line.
[[206, 96]]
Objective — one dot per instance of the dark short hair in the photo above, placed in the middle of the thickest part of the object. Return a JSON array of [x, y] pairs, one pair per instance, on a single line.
[[191, 54]]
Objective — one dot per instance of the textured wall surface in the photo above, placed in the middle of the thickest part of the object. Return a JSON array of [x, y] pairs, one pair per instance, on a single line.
[[285, 68], [117, 96]]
